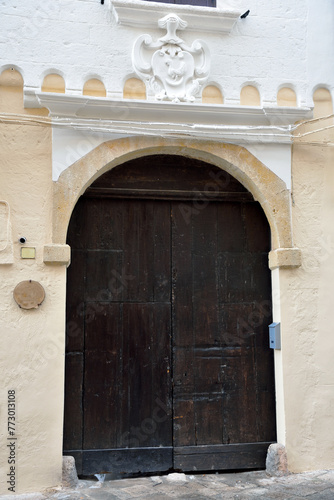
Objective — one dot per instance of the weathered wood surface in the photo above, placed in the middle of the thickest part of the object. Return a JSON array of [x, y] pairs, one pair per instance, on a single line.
[[220, 457], [167, 321]]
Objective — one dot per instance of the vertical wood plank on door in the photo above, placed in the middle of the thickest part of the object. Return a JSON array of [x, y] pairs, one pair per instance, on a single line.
[[208, 395], [182, 325], [161, 224], [102, 376], [138, 245], [73, 417], [147, 384]]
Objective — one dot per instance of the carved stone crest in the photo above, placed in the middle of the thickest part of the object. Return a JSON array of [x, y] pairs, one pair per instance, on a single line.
[[173, 70]]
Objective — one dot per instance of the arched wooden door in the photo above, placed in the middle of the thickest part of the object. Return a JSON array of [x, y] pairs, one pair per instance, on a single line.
[[168, 307]]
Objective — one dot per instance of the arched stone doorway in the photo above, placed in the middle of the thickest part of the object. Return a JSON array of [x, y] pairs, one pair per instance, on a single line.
[[168, 365]]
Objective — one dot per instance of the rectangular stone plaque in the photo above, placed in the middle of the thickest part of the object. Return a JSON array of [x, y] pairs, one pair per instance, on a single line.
[[28, 253]]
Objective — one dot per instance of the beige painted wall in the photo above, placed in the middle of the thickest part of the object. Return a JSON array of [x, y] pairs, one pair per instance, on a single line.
[[32, 342], [307, 299]]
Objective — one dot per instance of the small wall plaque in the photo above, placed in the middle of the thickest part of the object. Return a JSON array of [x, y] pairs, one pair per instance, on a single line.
[[29, 294], [28, 253]]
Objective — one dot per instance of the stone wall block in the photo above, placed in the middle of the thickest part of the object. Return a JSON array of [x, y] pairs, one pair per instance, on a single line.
[[57, 254], [70, 477], [277, 462]]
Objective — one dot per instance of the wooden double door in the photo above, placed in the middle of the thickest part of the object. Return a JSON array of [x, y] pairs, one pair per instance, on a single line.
[[167, 358]]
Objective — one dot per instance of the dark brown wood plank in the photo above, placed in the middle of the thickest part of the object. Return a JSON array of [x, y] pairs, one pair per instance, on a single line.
[[240, 398], [105, 279], [197, 371], [260, 287], [208, 395], [204, 257], [221, 457], [257, 228], [172, 194], [146, 409], [234, 271], [162, 251], [237, 325], [184, 423], [209, 425], [138, 244], [266, 398], [77, 232], [182, 269], [103, 376], [105, 233], [73, 417], [127, 460], [169, 173], [75, 308], [231, 227]]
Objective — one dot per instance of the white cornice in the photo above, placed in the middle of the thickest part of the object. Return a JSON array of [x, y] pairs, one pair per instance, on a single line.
[[141, 14], [204, 121]]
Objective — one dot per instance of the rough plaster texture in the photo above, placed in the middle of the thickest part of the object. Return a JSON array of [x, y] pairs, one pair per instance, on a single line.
[[307, 302], [80, 40], [32, 342]]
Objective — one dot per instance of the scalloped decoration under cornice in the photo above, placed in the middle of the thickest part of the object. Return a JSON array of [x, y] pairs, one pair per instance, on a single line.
[[141, 14]]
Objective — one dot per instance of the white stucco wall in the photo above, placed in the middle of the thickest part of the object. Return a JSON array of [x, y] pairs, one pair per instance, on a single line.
[[70, 145], [79, 39], [320, 42]]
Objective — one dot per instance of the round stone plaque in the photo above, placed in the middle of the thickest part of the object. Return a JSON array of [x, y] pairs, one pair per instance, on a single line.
[[29, 294]]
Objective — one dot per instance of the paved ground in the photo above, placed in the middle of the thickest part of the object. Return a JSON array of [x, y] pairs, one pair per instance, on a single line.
[[247, 486]]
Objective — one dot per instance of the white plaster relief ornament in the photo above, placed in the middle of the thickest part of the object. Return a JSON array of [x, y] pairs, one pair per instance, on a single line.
[[173, 70]]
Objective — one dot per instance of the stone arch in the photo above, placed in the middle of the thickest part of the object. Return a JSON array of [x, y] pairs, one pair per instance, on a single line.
[[266, 187]]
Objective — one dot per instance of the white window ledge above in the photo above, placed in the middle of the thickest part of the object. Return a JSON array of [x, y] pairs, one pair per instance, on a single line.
[[141, 14]]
